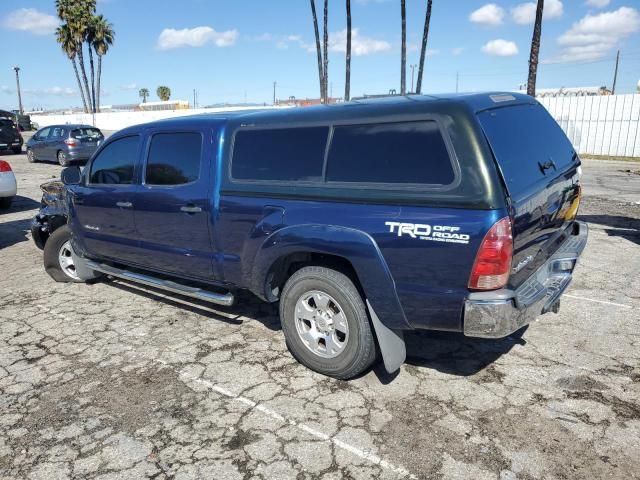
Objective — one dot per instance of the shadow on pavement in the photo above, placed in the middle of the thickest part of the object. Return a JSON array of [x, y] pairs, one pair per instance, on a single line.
[[21, 204], [624, 227], [14, 232]]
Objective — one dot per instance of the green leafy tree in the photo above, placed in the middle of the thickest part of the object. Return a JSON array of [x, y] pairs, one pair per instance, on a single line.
[[68, 45], [164, 93], [144, 94], [103, 37]]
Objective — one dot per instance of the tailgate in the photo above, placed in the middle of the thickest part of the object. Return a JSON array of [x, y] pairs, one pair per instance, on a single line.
[[540, 169]]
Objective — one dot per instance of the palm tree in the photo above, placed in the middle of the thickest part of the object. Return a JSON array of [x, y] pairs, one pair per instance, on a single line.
[[143, 94], [325, 46], [347, 81], [68, 45], [403, 53], [318, 48], [164, 93], [423, 50], [77, 15], [103, 37], [535, 50]]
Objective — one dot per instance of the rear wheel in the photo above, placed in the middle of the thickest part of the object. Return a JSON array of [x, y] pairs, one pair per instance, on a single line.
[[30, 156], [5, 203], [58, 261], [62, 159], [325, 323]]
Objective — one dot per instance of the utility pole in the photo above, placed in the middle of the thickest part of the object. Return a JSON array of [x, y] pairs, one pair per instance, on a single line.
[[17, 70], [413, 69], [274, 93], [615, 74]]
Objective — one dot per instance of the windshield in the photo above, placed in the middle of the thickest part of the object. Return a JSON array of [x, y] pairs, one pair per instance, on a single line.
[[86, 134]]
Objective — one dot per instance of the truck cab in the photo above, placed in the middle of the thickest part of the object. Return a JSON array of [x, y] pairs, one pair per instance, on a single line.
[[362, 220]]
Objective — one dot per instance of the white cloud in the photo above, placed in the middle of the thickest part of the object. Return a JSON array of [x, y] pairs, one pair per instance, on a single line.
[[359, 45], [51, 91], [525, 13], [500, 48], [457, 50], [594, 36], [31, 20], [195, 37], [489, 14], [598, 3], [129, 86]]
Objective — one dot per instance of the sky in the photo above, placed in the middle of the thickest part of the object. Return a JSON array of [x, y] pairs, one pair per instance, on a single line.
[[234, 50]]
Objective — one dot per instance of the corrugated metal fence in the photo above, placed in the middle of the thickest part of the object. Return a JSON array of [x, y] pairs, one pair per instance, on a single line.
[[602, 125]]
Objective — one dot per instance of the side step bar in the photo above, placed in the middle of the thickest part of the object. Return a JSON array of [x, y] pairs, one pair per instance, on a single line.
[[226, 299]]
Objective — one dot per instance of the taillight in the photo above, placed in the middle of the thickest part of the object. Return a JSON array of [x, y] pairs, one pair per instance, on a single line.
[[493, 261], [71, 142], [4, 166]]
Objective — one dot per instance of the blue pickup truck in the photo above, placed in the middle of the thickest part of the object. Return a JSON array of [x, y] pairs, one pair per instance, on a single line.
[[363, 220]]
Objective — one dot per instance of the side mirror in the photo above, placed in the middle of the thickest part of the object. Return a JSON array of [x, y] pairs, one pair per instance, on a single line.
[[70, 175]]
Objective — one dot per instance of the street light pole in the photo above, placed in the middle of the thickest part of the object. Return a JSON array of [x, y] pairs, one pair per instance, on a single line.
[[17, 70]]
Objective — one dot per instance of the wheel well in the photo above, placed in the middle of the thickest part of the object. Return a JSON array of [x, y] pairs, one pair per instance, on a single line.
[[287, 265]]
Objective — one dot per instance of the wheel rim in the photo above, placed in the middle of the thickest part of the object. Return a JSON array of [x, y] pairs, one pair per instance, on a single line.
[[61, 158], [65, 259], [30, 155], [321, 324]]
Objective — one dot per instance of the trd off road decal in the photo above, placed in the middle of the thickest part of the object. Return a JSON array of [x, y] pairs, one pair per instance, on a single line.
[[434, 233]]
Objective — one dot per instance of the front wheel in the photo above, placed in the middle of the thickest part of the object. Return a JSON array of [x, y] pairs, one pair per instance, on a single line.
[[325, 323], [58, 261], [62, 159], [30, 156]]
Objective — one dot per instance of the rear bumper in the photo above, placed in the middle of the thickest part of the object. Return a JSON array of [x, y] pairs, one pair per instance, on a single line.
[[8, 185], [500, 313]]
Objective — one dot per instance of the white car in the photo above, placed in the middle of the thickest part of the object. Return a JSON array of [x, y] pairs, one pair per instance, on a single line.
[[8, 185]]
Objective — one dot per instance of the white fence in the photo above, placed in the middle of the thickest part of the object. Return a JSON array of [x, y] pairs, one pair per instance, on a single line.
[[118, 120], [601, 125]]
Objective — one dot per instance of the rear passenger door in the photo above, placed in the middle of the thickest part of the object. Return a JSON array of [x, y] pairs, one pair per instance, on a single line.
[[172, 207]]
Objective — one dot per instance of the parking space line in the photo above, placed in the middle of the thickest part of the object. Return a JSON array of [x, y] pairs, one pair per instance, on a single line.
[[358, 452], [576, 297]]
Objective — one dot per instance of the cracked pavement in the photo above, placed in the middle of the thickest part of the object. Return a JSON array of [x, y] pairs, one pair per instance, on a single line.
[[115, 381]]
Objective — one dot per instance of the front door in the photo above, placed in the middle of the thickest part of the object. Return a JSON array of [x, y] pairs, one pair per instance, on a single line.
[[39, 143], [172, 208], [104, 203]]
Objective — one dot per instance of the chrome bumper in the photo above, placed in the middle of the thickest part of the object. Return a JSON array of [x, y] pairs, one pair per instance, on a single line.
[[500, 313]]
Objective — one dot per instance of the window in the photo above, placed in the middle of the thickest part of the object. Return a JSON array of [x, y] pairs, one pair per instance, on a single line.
[[174, 158], [57, 132], [84, 133], [402, 153], [284, 154], [114, 165], [44, 133]]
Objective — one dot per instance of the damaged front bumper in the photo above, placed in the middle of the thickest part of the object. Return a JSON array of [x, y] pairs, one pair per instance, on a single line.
[[500, 313]]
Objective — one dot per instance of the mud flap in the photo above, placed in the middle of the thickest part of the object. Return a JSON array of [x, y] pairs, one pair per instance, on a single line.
[[391, 343]]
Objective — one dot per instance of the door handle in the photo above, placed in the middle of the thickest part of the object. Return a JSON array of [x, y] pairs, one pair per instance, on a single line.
[[190, 209], [124, 204]]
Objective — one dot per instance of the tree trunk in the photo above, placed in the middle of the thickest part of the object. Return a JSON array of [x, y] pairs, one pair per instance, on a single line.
[[84, 100], [98, 83], [423, 50], [347, 81], [403, 53], [84, 76], [535, 50], [93, 78], [318, 48], [325, 66]]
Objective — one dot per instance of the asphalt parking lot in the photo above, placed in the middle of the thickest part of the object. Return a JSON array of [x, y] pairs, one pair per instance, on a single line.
[[114, 381]]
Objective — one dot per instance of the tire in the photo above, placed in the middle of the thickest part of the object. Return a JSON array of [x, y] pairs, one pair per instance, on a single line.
[[62, 159], [5, 203], [17, 151], [345, 345], [54, 249], [30, 156]]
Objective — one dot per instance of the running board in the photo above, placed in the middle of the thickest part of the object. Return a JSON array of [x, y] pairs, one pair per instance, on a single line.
[[226, 299]]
